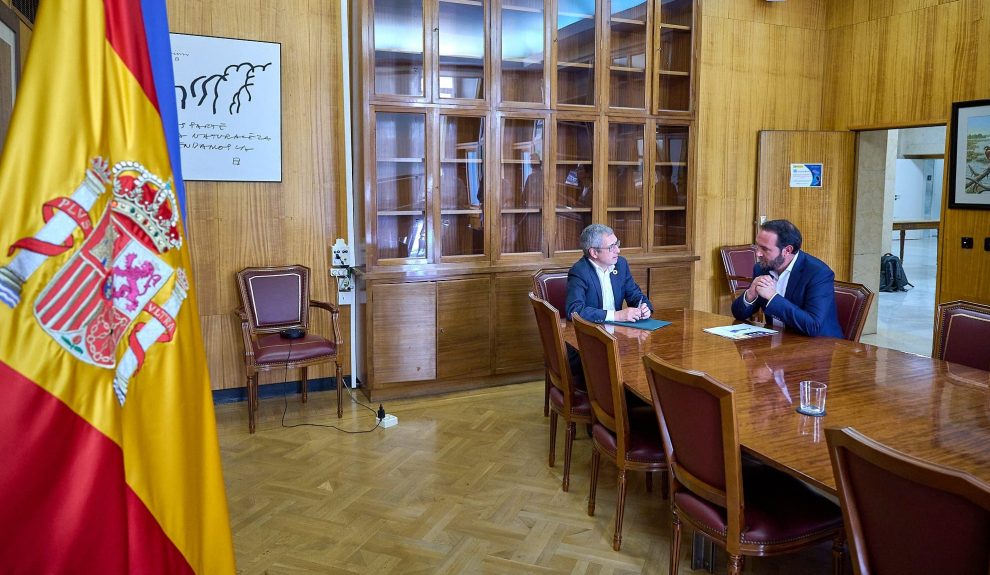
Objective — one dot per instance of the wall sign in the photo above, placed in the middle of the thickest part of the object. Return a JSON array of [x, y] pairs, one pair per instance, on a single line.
[[806, 175], [228, 95]]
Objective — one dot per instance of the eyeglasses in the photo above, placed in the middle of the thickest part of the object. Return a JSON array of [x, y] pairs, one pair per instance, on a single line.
[[612, 248]]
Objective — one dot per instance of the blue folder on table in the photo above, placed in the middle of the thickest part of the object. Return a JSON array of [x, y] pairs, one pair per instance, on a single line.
[[649, 324]]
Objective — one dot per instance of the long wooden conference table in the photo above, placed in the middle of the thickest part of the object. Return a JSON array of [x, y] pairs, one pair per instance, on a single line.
[[933, 410]]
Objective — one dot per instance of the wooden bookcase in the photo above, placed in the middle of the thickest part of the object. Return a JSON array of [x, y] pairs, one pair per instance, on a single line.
[[488, 134]]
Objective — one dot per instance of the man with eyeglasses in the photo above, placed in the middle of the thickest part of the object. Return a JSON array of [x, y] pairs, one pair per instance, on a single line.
[[600, 281]]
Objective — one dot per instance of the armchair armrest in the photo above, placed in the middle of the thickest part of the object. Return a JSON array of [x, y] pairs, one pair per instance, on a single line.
[[324, 305], [240, 313], [334, 314]]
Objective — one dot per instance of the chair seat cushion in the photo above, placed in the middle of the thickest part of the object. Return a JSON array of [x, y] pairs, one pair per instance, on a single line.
[[644, 443], [580, 405], [778, 509], [273, 348]]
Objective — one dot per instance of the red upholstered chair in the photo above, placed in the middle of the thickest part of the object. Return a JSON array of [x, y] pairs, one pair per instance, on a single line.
[[565, 400], [749, 508], [962, 330], [852, 302], [274, 299], [626, 435], [738, 262], [907, 516], [551, 287]]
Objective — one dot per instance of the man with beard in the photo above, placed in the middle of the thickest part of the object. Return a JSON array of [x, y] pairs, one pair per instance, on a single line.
[[794, 290]]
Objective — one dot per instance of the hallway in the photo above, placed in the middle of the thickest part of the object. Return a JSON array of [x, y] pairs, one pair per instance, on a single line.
[[907, 319]]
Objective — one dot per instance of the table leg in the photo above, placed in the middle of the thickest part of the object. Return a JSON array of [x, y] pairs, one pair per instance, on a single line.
[[902, 245]]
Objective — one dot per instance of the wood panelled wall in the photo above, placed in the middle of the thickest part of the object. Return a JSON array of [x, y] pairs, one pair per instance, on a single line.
[[898, 63], [235, 225], [830, 65], [761, 69]]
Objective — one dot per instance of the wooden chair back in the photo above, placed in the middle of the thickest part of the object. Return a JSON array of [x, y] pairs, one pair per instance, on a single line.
[[275, 298], [697, 421], [962, 330], [738, 262], [904, 515], [852, 302], [603, 378], [554, 353], [552, 288]]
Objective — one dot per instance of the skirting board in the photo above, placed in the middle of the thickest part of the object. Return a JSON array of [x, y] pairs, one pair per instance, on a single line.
[[275, 390]]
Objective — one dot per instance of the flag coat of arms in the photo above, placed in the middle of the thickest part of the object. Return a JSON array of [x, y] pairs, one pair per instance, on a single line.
[[107, 431]]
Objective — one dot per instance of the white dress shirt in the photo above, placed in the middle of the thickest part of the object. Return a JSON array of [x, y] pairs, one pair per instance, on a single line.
[[608, 298]]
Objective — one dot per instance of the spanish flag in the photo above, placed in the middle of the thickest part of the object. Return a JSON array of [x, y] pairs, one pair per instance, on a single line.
[[110, 461]]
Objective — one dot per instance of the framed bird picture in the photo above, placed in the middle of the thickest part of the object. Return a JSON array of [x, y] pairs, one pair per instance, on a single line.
[[969, 159]]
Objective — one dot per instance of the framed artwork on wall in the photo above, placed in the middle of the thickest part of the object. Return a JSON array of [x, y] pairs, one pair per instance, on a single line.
[[969, 156]]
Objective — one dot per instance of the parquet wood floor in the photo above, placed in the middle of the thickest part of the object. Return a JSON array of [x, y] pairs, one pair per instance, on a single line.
[[460, 485]]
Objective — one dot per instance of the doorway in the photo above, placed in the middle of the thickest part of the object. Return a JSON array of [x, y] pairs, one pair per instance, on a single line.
[[899, 194]]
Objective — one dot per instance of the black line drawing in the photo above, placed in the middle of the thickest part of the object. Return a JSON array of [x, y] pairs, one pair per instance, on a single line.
[[240, 75]]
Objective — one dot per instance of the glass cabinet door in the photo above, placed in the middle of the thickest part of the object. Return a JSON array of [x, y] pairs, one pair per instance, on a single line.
[[674, 55], [521, 189], [462, 185], [523, 35], [461, 52], [670, 190], [575, 182], [627, 54], [399, 47], [400, 185], [576, 43], [624, 211]]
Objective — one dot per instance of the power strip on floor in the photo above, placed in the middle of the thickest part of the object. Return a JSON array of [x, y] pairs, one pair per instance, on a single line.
[[388, 421]]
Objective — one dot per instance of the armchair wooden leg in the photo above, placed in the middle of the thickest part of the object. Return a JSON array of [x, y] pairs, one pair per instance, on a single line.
[[568, 445], [620, 507], [595, 459], [546, 396], [649, 482], [340, 390], [553, 437], [305, 384], [675, 543]]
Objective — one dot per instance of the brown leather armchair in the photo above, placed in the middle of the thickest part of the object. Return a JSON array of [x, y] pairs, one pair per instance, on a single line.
[[625, 434], [565, 400], [775, 513], [274, 299], [904, 515]]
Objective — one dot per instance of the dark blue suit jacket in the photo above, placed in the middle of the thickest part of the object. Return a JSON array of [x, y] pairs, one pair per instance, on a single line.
[[808, 306], [584, 291]]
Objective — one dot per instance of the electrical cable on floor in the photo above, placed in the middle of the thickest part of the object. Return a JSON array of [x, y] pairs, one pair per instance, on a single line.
[[285, 404]]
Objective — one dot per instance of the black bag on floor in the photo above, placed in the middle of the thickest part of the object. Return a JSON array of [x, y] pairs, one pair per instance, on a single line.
[[892, 276]]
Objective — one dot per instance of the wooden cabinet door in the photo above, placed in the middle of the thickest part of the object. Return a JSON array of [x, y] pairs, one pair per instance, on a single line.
[[670, 285], [464, 320], [517, 339], [404, 332]]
